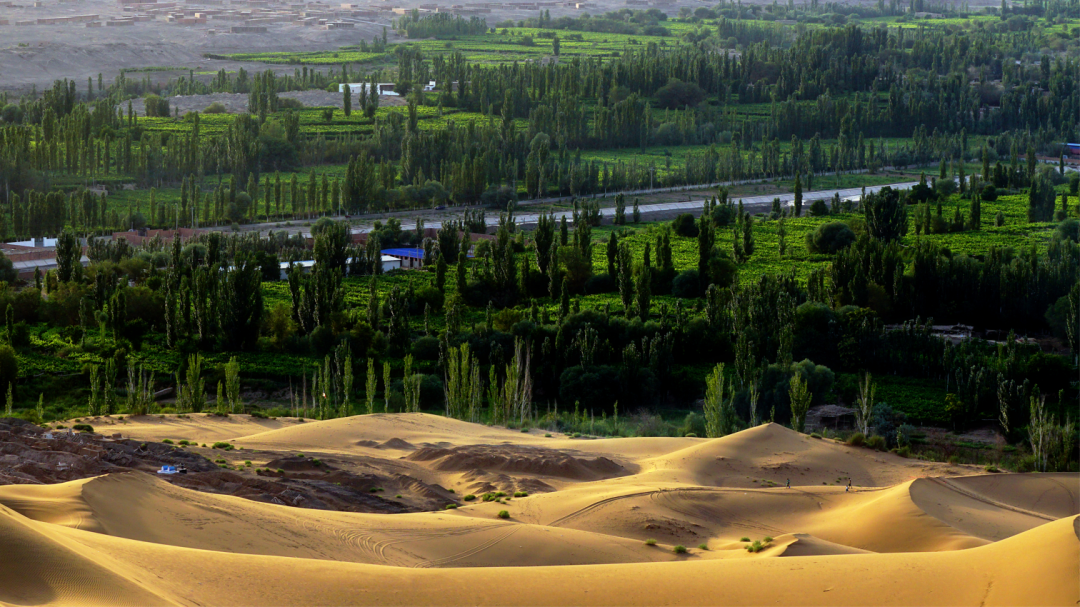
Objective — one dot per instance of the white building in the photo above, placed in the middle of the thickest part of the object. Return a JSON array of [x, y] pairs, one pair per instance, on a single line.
[[384, 88], [388, 263]]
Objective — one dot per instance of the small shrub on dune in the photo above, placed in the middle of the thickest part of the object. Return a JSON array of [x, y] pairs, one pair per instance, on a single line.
[[223, 445], [876, 443], [857, 439], [167, 441], [450, 507], [680, 549], [504, 514], [280, 471], [83, 428], [650, 542], [744, 539], [992, 468], [521, 494], [703, 546], [815, 435], [468, 498]]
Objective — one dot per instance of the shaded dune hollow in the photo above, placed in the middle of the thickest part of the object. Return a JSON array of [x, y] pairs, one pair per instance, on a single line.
[[519, 460]]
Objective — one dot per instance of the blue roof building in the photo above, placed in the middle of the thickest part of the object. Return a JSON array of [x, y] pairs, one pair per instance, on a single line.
[[410, 257]]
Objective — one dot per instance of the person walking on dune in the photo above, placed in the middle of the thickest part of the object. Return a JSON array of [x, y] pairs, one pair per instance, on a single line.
[[789, 483], [848, 488]]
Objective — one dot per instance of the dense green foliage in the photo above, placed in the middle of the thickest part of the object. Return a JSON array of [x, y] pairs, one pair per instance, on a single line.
[[606, 321]]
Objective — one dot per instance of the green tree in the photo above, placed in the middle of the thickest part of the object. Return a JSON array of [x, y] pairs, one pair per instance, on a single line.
[[886, 214], [193, 392], [9, 372], [612, 254], [371, 384], [1041, 198], [798, 195], [720, 416], [800, 396], [68, 256], [864, 405], [463, 389], [221, 404], [347, 380], [386, 386], [644, 291], [232, 385], [626, 276]]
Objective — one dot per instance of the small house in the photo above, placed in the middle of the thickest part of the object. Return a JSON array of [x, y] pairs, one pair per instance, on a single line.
[[410, 258]]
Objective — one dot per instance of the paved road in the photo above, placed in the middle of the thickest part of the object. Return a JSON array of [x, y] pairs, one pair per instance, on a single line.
[[435, 219]]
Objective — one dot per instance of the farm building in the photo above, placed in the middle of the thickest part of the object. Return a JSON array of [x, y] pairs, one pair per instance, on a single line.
[[388, 263], [384, 88], [409, 257]]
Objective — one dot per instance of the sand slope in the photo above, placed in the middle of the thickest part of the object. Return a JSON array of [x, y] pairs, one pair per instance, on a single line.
[[773, 453], [990, 576], [195, 427], [907, 533], [138, 507]]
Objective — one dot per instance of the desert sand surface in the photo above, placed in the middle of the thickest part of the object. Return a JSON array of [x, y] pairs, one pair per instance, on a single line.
[[598, 527]]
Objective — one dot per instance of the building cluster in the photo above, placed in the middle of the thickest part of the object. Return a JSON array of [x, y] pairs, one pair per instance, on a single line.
[[38, 255]]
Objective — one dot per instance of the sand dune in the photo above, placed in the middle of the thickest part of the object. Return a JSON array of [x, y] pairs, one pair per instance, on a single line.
[[878, 520], [195, 427], [137, 507], [989, 575], [970, 504], [907, 533], [775, 454]]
